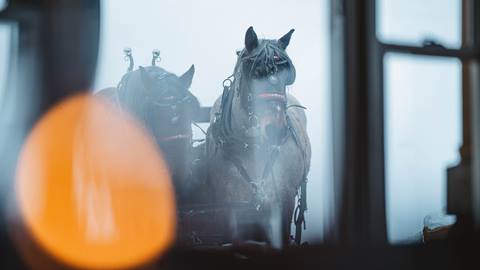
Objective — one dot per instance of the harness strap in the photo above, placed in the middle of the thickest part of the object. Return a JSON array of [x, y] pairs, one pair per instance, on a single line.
[[294, 133], [299, 213], [238, 164], [246, 176]]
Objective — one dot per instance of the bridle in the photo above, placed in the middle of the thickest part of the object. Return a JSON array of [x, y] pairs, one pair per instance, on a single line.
[[170, 103]]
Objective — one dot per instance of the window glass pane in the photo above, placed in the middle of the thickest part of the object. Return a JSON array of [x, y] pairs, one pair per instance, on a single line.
[[208, 34], [422, 139], [3, 4], [413, 22], [8, 130], [5, 53]]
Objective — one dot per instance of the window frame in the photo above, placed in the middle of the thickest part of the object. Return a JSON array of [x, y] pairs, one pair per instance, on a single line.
[[358, 116]]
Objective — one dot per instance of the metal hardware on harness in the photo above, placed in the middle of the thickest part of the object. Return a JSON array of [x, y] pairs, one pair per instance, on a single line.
[[252, 119], [227, 83], [156, 57], [129, 58], [299, 214], [221, 125]]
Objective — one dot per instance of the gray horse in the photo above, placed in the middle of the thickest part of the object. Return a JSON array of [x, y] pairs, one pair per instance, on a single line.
[[163, 104], [258, 150]]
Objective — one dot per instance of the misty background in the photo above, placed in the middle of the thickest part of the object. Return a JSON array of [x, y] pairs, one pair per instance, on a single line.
[[208, 34]]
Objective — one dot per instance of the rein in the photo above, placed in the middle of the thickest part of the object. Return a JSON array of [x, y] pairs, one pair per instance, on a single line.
[[183, 136]]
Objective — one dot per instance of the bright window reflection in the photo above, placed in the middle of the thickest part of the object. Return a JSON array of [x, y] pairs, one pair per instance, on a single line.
[[413, 22], [422, 139]]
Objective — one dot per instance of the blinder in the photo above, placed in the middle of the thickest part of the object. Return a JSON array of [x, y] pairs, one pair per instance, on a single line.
[[292, 74], [171, 103]]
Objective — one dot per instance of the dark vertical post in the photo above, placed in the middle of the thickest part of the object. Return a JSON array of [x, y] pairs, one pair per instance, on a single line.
[[56, 57], [359, 120], [459, 177], [474, 102], [337, 70]]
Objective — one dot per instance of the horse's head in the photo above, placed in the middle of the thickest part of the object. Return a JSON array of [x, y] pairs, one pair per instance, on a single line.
[[163, 102], [266, 70]]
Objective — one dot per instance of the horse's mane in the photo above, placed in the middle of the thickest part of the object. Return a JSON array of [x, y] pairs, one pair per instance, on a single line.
[[267, 58], [158, 74], [136, 85]]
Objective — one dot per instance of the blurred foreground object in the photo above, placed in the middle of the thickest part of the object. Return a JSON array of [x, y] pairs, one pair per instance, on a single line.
[[92, 188]]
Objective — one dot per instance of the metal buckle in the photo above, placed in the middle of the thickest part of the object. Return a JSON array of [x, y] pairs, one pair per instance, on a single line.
[[253, 119]]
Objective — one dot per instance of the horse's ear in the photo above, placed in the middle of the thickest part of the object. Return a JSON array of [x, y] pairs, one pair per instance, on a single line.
[[187, 77], [285, 40], [251, 39], [146, 79]]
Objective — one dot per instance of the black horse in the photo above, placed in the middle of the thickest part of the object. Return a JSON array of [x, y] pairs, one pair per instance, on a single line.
[[163, 104]]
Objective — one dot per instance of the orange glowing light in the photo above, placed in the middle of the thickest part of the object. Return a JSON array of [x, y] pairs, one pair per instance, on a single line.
[[93, 189]]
